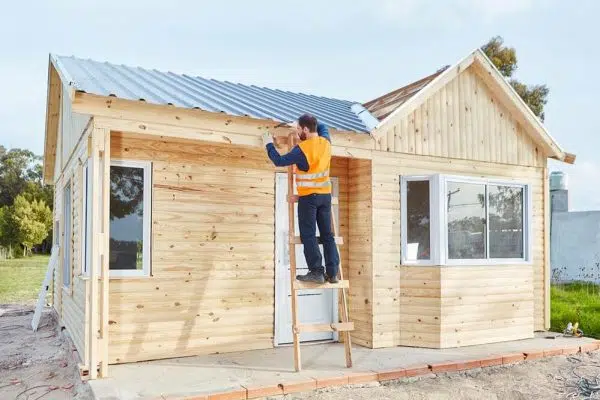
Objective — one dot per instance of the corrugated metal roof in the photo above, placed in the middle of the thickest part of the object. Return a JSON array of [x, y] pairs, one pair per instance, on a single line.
[[384, 105], [105, 79]]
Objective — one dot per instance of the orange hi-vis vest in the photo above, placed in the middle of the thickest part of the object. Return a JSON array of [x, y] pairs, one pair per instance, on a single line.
[[317, 151]]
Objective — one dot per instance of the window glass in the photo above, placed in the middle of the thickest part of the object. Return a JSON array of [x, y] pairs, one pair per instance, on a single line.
[[466, 220], [505, 205], [418, 220], [126, 218]]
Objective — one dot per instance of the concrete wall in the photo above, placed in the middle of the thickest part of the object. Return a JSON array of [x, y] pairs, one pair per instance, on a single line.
[[575, 246]]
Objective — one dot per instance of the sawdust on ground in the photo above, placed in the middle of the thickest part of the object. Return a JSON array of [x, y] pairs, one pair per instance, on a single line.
[[36, 365]]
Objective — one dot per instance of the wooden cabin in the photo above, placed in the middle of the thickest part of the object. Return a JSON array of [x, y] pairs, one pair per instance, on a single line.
[[172, 221]]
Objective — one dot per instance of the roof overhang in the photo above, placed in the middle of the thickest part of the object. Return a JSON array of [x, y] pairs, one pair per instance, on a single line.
[[501, 89]]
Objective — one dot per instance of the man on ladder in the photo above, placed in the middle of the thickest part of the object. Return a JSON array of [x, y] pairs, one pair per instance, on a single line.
[[312, 158]]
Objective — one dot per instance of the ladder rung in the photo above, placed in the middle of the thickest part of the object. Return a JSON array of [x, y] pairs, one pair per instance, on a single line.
[[294, 199], [298, 240], [336, 327], [299, 285]]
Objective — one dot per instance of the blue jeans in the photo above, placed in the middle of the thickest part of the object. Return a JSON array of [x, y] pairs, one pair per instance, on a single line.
[[313, 210]]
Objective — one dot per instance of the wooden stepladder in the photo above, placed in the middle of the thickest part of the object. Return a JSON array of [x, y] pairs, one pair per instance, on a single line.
[[345, 326]]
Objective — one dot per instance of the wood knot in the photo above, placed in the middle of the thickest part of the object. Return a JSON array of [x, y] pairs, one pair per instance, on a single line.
[[139, 306], [142, 126], [177, 304]]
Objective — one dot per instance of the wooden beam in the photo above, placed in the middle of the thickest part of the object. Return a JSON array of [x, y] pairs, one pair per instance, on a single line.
[[168, 121], [547, 267], [53, 101], [104, 251], [94, 357]]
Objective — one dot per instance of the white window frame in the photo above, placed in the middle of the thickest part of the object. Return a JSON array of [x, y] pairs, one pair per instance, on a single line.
[[438, 187], [434, 239], [147, 221], [67, 234], [86, 237]]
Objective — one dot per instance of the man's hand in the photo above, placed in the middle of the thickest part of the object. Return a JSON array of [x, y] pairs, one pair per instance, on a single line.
[[267, 138]]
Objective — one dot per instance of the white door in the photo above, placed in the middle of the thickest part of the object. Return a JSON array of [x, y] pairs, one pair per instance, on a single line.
[[314, 306]]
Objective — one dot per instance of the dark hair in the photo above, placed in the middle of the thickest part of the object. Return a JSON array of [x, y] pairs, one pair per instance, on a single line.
[[308, 121]]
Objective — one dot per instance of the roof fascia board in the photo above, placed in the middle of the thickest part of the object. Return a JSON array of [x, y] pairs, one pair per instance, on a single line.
[[513, 97], [65, 77]]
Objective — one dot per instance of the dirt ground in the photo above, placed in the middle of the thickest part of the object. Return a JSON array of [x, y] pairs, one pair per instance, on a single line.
[[36, 365], [39, 366], [551, 378]]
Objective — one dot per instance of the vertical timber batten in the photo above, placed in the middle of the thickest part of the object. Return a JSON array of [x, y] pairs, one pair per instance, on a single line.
[[104, 248], [98, 319]]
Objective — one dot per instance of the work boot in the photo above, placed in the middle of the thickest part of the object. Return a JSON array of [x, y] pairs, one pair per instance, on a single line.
[[332, 279], [312, 276]]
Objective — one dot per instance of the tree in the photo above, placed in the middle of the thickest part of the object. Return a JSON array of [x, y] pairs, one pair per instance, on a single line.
[[505, 59], [17, 167], [31, 220]]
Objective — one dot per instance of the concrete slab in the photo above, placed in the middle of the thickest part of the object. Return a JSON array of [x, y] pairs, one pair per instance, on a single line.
[[204, 375]]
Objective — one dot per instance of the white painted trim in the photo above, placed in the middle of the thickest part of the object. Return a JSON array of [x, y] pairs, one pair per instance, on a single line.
[[85, 234], [67, 233], [438, 187], [147, 218], [433, 221]]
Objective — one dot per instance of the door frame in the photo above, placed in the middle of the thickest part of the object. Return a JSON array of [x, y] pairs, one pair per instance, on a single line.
[[280, 288]]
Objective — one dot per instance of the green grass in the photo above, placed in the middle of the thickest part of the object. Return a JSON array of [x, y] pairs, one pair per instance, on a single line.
[[21, 279], [576, 302]]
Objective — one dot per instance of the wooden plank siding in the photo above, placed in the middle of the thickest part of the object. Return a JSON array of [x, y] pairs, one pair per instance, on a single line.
[[70, 303], [450, 306], [212, 287], [463, 120], [360, 248]]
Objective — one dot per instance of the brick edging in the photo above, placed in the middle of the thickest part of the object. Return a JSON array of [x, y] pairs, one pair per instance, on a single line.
[[303, 385]]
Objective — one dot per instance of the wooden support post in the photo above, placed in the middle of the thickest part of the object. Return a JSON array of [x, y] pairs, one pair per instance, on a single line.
[[104, 250], [292, 234], [547, 267], [97, 143]]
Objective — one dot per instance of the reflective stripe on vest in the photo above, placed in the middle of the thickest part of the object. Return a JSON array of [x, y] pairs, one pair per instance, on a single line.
[[313, 176], [312, 184]]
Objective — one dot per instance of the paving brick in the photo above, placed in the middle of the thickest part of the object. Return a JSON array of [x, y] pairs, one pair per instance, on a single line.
[[586, 348], [443, 367], [570, 350], [553, 352], [299, 386], [491, 361], [417, 370], [264, 391], [513, 358], [391, 374], [237, 394], [362, 377], [469, 364], [534, 354], [331, 381]]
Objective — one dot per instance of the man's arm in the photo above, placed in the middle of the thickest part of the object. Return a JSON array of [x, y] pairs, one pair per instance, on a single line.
[[295, 156], [323, 131]]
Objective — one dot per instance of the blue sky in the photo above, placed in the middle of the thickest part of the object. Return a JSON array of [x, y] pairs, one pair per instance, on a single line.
[[352, 50]]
